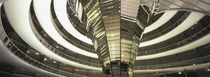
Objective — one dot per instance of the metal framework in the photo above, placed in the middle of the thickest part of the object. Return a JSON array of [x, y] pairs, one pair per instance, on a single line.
[[116, 32], [201, 6]]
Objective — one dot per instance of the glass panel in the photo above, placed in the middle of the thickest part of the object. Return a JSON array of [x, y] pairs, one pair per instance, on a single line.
[[125, 57]]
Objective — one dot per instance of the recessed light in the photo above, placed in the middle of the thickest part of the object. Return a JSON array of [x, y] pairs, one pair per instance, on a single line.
[[180, 73]]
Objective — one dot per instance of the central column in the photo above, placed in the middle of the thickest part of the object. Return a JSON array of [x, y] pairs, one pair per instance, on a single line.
[[116, 30], [122, 34]]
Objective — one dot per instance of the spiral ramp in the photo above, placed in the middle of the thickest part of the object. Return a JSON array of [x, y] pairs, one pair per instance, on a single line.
[[48, 38]]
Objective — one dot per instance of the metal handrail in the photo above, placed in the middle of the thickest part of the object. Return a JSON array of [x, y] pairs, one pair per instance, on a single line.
[[200, 60], [33, 61], [179, 41], [176, 23], [49, 46], [63, 54], [19, 53]]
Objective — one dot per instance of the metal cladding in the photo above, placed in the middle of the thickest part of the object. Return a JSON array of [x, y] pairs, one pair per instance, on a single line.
[[116, 33]]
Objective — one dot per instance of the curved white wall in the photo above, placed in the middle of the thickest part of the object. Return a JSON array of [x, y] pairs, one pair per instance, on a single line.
[[162, 20], [43, 14], [7, 56], [18, 15], [202, 41], [192, 19], [61, 13]]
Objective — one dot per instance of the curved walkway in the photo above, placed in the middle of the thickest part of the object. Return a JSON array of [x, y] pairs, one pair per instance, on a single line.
[[20, 23], [61, 13], [43, 14]]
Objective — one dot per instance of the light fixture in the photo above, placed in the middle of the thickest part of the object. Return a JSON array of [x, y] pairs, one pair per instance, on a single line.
[[27, 51], [9, 44], [179, 72], [76, 70], [37, 53], [45, 59], [208, 69], [54, 61]]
